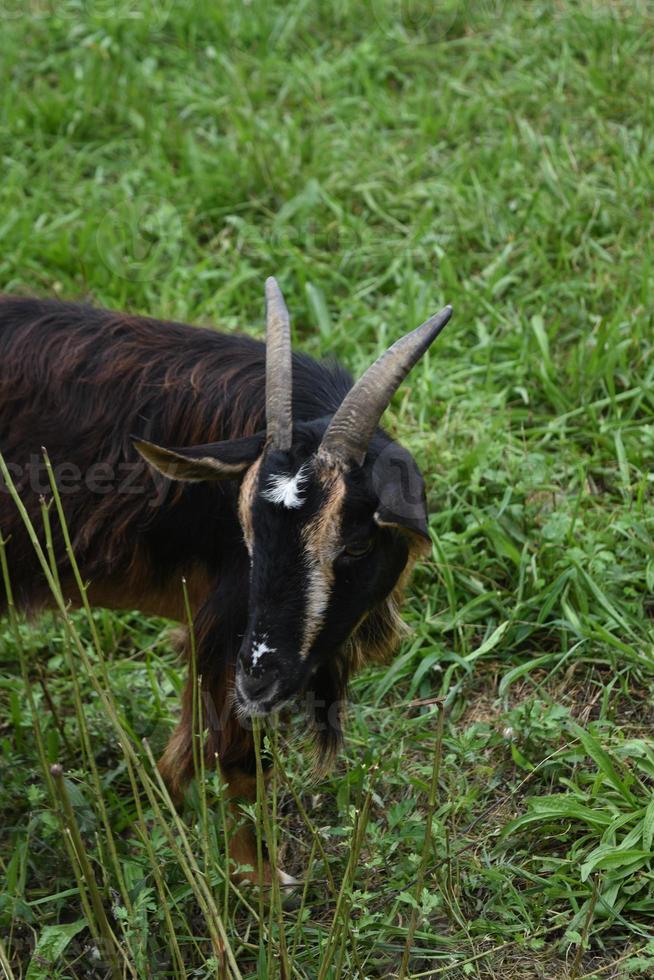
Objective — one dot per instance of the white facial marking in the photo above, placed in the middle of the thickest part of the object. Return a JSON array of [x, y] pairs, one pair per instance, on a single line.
[[286, 490], [260, 647]]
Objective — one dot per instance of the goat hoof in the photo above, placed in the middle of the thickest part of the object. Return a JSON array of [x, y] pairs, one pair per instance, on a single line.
[[287, 882], [289, 891]]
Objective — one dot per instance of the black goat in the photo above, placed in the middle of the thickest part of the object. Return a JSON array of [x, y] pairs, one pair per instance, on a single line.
[[296, 522]]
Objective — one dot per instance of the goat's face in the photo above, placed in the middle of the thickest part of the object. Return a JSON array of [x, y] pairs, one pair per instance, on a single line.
[[325, 549], [330, 509]]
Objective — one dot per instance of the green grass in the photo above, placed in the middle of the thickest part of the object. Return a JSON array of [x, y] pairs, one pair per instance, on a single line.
[[381, 159]]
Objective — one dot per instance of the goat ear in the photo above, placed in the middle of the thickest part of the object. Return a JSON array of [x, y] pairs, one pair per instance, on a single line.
[[215, 461], [416, 526], [400, 489]]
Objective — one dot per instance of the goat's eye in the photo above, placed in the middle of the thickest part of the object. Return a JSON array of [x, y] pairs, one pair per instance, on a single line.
[[358, 548]]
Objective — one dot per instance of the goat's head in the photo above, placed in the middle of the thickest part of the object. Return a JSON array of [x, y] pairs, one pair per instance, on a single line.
[[332, 512]]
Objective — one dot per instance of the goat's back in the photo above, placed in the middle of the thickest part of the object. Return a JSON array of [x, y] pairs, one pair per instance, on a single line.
[[79, 381]]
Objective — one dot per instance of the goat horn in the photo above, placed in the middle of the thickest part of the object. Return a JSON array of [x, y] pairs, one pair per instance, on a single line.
[[354, 422], [279, 417]]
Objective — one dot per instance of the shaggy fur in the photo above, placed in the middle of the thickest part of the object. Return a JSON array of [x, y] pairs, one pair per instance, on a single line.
[[80, 382]]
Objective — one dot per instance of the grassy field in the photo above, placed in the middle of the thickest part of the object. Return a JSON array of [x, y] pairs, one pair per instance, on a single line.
[[381, 158]]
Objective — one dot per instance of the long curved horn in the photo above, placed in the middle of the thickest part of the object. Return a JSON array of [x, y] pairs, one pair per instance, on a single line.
[[354, 422], [279, 391]]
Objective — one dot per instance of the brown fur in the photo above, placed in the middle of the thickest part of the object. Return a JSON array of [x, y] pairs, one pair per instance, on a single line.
[[138, 589], [245, 500], [321, 537], [225, 741]]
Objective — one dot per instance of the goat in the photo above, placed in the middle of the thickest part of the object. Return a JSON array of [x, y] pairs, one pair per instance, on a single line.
[[295, 519]]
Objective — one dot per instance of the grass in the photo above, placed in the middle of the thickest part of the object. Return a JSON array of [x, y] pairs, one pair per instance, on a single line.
[[381, 159]]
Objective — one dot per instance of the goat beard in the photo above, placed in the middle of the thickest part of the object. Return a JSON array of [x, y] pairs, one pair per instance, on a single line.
[[326, 704], [374, 641]]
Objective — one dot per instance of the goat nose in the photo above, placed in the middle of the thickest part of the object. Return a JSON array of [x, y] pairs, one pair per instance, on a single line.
[[256, 687]]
